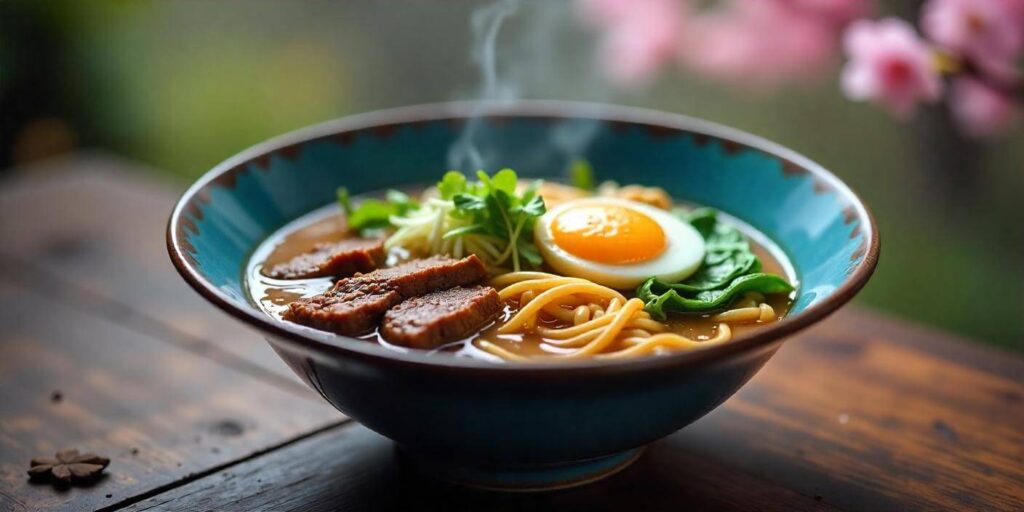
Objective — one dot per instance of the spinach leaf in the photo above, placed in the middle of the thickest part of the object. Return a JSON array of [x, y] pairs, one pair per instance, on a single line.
[[702, 219], [727, 253], [720, 273], [730, 268], [661, 298]]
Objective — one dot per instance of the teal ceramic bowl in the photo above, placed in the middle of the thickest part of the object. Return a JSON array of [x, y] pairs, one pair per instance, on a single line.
[[517, 426]]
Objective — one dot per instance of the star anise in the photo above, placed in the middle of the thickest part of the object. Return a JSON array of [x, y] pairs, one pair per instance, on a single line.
[[67, 466]]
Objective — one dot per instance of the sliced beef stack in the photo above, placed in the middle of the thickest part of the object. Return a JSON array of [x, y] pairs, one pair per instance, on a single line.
[[349, 309], [339, 259], [437, 308], [439, 317]]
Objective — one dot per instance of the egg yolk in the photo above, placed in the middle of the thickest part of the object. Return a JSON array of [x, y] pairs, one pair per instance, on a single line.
[[608, 234]]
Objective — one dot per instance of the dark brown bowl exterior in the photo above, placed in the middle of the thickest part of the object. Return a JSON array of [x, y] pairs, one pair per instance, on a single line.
[[508, 420]]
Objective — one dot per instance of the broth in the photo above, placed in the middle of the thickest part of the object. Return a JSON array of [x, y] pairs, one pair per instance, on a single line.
[[328, 225]]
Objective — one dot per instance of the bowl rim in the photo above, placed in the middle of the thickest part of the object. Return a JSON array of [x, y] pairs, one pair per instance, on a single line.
[[333, 344]]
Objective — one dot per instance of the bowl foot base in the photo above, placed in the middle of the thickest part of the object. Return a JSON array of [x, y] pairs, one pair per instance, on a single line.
[[530, 478]]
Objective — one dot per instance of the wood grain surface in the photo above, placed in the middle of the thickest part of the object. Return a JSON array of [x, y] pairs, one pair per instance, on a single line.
[[97, 225], [861, 412], [359, 470], [160, 413], [840, 419]]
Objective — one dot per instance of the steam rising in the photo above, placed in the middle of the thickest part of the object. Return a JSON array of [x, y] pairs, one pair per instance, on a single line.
[[530, 62], [486, 23]]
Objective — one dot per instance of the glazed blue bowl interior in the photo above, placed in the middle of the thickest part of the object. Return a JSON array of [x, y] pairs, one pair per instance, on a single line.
[[464, 414], [814, 218]]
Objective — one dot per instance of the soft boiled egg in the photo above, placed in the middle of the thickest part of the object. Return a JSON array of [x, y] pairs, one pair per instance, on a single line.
[[617, 242]]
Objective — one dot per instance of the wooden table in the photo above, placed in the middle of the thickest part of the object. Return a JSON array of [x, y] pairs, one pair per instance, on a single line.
[[105, 349]]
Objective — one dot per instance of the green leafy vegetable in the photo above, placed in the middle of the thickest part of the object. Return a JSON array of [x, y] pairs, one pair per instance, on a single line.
[[374, 214], [453, 182], [727, 253], [504, 180], [495, 210], [702, 219], [661, 298], [582, 175], [730, 269], [485, 216], [345, 200], [401, 201]]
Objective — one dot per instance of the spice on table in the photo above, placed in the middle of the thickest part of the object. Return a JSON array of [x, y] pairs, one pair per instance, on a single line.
[[68, 466]]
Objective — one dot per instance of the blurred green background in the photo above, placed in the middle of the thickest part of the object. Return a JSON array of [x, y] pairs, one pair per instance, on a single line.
[[182, 85]]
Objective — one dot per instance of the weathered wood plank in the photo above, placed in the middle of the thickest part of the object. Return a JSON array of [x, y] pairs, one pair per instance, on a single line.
[[159, 412], [855, 414], [862, 408], [97, 223], [355, 469]]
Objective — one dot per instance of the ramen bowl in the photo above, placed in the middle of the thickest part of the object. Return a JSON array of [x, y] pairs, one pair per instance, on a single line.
[[519, 425]]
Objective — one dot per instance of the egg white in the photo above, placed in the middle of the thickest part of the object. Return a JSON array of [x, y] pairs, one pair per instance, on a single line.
[[683, 254]]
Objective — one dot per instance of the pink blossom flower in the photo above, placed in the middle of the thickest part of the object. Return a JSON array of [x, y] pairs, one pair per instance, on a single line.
[[760, 43], [974, 27], [839, 12], [979, 109], [641, 36], [746, 42], [889, 64], [1015, 10], [989, 33]]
